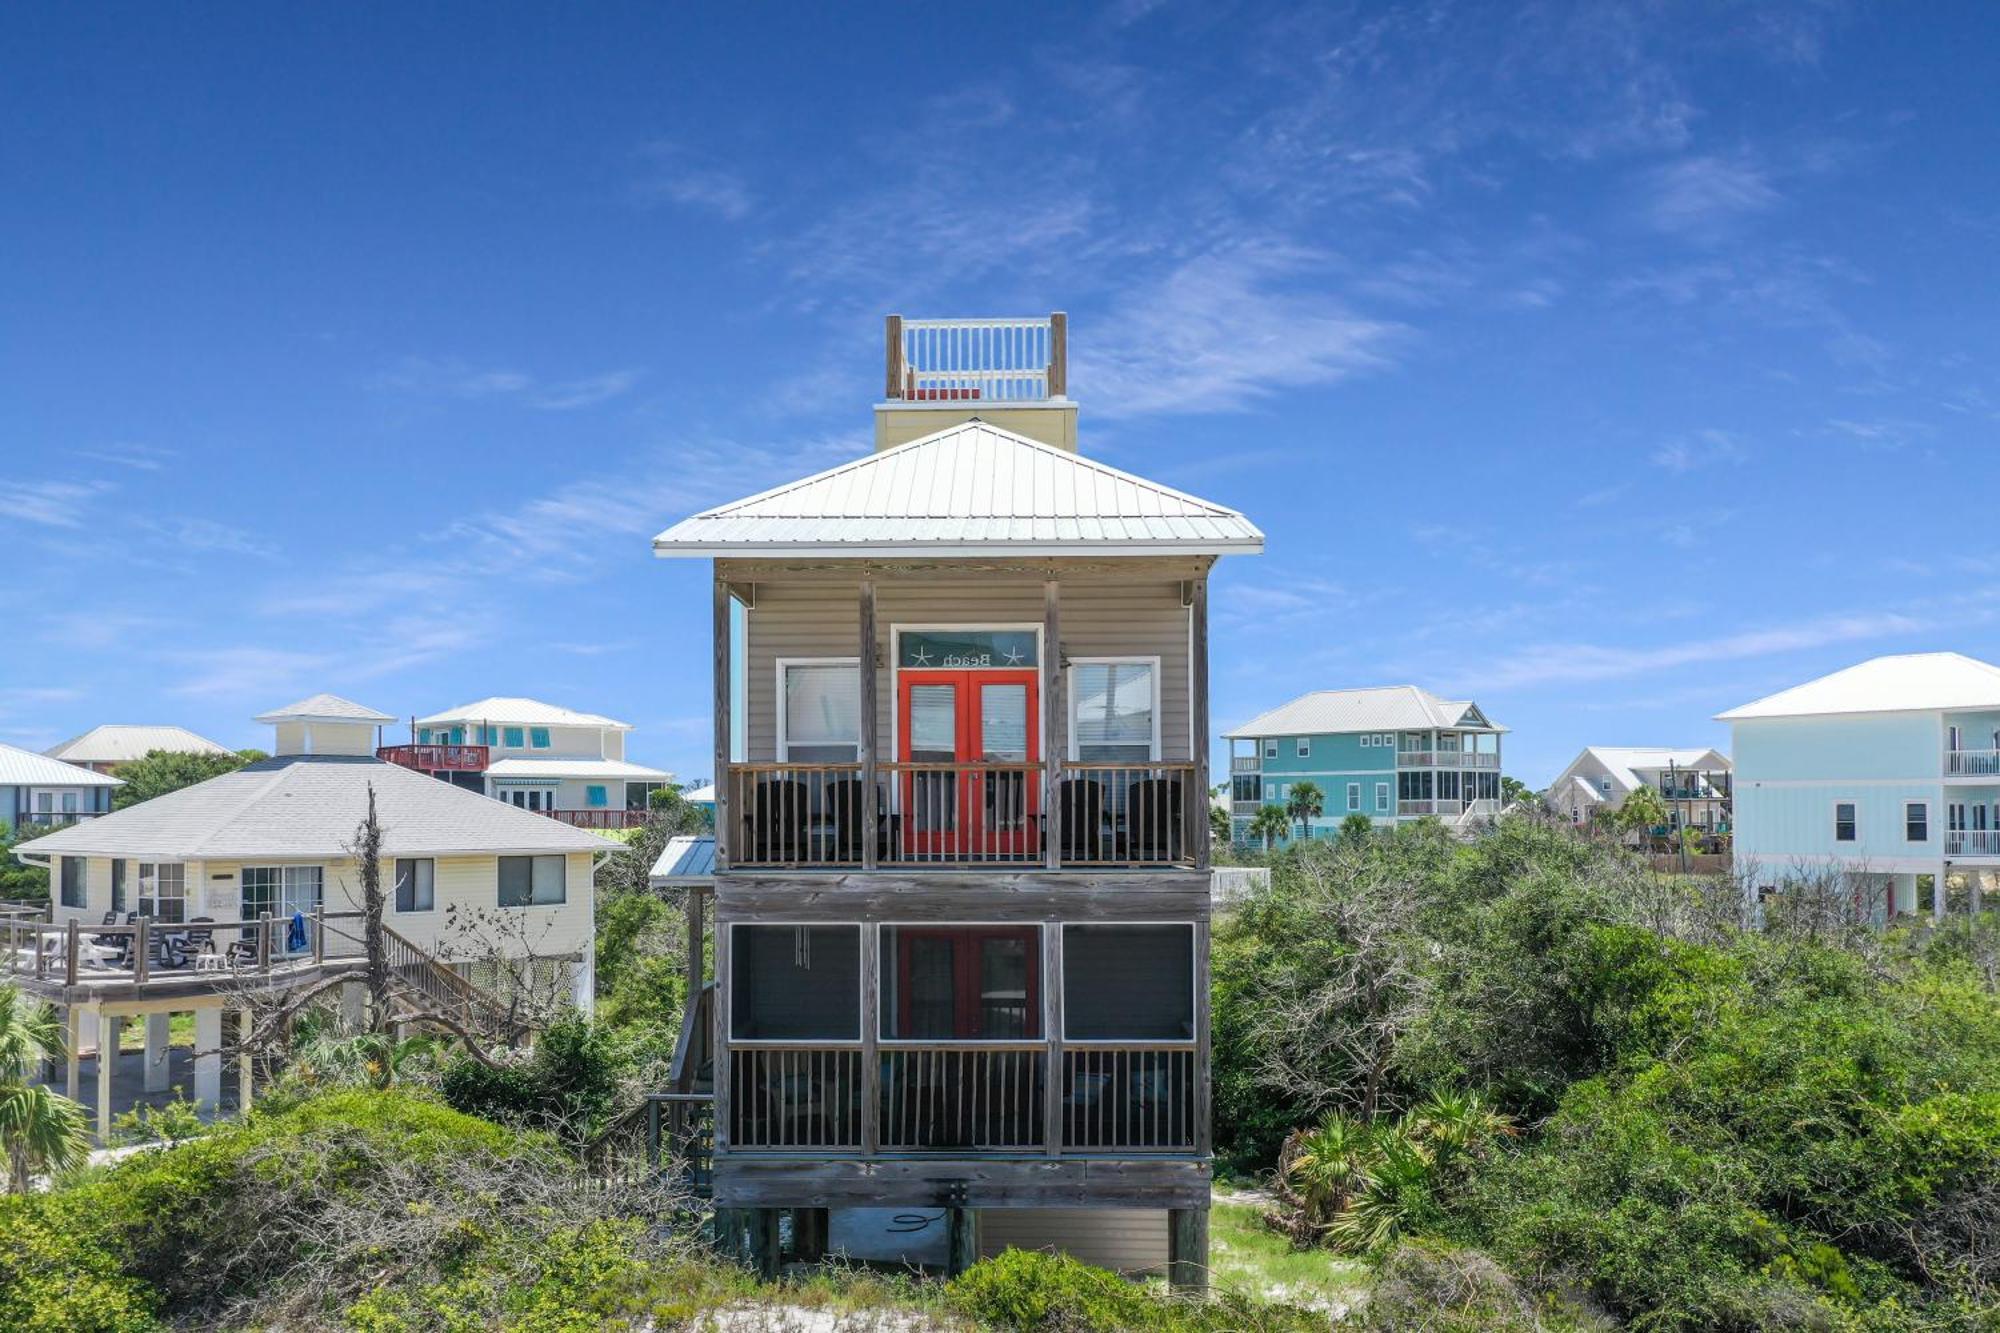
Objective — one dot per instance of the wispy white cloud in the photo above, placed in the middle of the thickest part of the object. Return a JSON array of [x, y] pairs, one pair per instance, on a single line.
[[1707, 195], [1702, 448], [450, 377], [668, 173], [139, 457], [54, 504], [1880, 433]]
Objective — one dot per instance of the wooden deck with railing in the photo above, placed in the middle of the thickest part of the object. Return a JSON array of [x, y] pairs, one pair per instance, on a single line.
[[988, 1098], [978, 360], [818, 816]]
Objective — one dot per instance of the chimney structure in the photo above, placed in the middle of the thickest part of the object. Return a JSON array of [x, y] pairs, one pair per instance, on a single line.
[[1010, 373], [324, 724]]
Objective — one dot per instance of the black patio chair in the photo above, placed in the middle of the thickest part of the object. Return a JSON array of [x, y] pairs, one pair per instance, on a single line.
[[1153, 827], [774, 827], [843, 808], [1080, 802]]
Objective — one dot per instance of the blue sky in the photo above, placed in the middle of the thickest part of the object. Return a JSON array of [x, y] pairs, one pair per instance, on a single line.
[[1611, 364]]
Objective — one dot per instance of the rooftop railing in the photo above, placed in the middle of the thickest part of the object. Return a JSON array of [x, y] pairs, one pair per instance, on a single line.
[[436, 758], [977, 360], [1972, 763]]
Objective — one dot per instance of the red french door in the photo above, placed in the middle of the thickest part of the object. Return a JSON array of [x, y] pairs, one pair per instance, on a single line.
[[981, 730], [966, 983]]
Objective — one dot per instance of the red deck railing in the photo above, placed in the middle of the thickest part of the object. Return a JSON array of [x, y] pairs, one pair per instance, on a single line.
[[436, 758]]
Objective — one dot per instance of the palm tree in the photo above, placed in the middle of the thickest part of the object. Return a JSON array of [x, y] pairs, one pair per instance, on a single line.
[[39, 1130], [1327, 1165], [1270, 822], [1305, 804]]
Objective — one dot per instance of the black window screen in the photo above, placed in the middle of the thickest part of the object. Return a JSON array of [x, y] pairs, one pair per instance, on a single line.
[[795, 983], [1128, 982]]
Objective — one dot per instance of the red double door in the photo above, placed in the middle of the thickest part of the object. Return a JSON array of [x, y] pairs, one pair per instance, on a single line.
[[982, 729]]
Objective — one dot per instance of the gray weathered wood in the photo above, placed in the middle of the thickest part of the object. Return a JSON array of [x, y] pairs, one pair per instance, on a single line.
[[1052, 1006], [723, 811], [1058, 355], [894, 388], [1054, 742], [1187, 1248], [1204, 1089], [865, 657], [721, 1035], [1197, 805], [900, 1182], [695, 932], [1173, 895], [962, 1240], [871, 1063]]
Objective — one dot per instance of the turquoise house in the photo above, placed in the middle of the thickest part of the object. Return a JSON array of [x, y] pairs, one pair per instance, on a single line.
[[1392, 753], [1885, 774]]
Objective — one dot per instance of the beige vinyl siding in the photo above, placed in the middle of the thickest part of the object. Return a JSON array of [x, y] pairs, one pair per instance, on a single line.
[[1126, 1240], [1102, 616]]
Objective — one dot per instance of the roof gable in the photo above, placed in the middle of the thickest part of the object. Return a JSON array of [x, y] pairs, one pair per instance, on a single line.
[[1901, 683], [522, 711], [1385, 707], [324, 708], [972, 488]]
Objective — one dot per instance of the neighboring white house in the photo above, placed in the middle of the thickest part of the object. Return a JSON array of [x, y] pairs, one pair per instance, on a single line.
[[1693, 784], [35, 789], [472, 884], [103, 749], [537, 756], [1887, 772]]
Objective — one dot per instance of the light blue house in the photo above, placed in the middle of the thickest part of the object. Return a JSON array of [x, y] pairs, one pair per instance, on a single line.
[[35, 789], [1886, 774], [1392, 753]]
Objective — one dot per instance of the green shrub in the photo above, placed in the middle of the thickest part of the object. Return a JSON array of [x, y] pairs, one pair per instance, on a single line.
[[54, 1277], [1029, 1290], [568, 1085]]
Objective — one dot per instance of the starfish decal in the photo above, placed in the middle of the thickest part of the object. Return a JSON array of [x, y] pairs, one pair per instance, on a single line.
[[1014, 656], [922, 657]]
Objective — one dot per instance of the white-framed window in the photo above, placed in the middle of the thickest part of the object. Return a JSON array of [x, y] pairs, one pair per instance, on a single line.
[[819, 710], [1305, 747], [283, 891], [1353, 796], [163, 890], [1382, 796], [1916, 821], [533, 881], [1271, 749], [75, 890], [1114, 709], [511, 737], [596, 795], [1844, 821], [416, 884], [538, 737]]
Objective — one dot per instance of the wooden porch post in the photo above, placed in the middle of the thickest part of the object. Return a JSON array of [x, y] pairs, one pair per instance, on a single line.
[[72, 1070], [1187, 1248], [962, 1241], [865, 663], [1052, 1006], [110, 1031], [245, 1072], [871, 1027], [1058, 355], [695, 966], [722, 723], [1055, 720], [1197, 808], [895, 357]]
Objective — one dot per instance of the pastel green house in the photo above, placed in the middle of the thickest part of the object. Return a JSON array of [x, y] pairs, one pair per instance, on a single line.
[[1391, 753]]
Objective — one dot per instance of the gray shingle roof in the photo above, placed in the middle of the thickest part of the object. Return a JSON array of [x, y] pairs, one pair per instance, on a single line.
[[308, 806]]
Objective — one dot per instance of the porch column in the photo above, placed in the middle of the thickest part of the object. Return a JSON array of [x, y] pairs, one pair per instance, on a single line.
[[1187, 1248], [1055, 721], [723, 810], [1937, 895], [72, 1067], [962, 1240], [159, 1054], [865, 665], [1197, 809], [109, 1029], [208, 1056], [246, 1023], [695, 962]]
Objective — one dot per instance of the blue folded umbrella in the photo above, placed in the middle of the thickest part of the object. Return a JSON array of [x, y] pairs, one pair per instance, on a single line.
[[295, 934]]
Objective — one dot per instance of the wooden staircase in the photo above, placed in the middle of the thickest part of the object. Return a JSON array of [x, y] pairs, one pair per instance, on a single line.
[[681, 1120]]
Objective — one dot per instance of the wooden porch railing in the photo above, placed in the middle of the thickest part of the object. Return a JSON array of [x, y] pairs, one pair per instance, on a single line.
[[1097, 815], [965, 1098], [144, 950], [977, 360]]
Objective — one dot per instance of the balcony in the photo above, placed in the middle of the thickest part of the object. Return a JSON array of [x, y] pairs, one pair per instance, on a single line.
[[977, 360], [436, 758], [1972, 842], [1972, 763], [598, 819], [817, 816], [1446, 759], [958, 1098], [54, 818], [1245, 763], [1448, 809]]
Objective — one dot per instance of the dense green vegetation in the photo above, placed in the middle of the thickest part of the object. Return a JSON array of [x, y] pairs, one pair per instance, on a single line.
[[161, 771], [1793, 1127]]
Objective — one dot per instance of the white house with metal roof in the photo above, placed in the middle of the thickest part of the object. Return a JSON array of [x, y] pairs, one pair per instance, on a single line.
[[1692, 782], [38, 790], [1886, 773], [104, 748], [1391, 753], [536, 756], [251, 878]]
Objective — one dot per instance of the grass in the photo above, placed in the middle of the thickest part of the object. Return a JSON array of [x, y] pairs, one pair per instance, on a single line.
[[1244, 1255], [180, 1032]]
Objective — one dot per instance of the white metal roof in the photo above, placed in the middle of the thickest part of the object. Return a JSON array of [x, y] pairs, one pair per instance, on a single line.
[[117, 743], [574, 768], [1906, 682], [704, 794], [25, 768], [323, 708], [971, 489], [307, 806], [686, 859], [1623, 764], [1387, 707], [522, 712]]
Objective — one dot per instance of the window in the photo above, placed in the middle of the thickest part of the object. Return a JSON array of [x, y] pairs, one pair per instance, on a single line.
[[511, 738], [457, 736], [1353, 796], [1128, 983], [69, 802], [1843, 821], [283, 891], [795, 983], [1114, 717], [1381, 796], [820, 721], [163, 890], [1916, 821], [1270, 749], [532, 881], [538, 737], [73, 887], [1244, 787], [595, 796], [117, 886], [1305, 747], [971, 983], [416, 884], [423, 735]]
